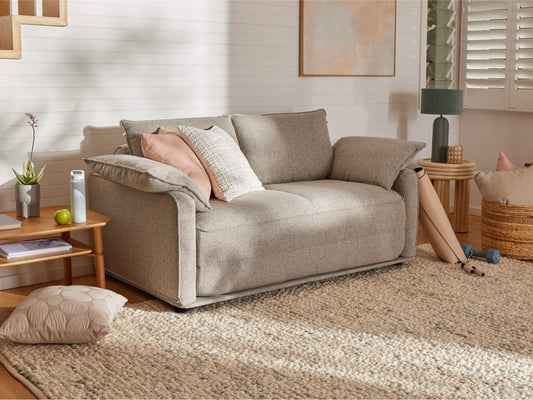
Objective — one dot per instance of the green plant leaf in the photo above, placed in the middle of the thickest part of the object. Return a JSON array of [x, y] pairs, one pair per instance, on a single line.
[[20, 179], [24, 169], [28, 176], [31, 172], [39, 175]]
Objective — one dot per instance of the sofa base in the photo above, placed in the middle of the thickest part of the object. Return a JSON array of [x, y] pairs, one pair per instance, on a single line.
[[202, 301]]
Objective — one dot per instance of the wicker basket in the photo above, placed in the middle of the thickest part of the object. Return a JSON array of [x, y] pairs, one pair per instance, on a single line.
[[507, 228]]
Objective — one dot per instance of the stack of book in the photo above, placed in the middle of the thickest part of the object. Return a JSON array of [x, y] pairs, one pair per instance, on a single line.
[[33, 248], [7, 222]]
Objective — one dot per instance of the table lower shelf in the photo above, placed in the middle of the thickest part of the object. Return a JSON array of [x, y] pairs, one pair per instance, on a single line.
[[78, 249]]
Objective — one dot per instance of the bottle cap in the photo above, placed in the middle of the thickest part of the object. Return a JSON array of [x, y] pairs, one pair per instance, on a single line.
[[77, 175]]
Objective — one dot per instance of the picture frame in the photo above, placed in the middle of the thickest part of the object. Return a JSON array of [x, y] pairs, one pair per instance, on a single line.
[[347, 38]]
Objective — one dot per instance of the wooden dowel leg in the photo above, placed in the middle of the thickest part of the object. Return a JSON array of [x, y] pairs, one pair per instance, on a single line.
[[98, 249], [462, 200], [67, 262]]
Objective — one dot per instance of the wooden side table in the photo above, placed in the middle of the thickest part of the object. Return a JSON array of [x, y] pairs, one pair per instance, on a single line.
[[45, 226], [441, 174]]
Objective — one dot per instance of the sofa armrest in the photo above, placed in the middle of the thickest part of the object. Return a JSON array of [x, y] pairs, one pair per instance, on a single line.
[[147, 175], [372, 160], [406, 185], [150, 242]]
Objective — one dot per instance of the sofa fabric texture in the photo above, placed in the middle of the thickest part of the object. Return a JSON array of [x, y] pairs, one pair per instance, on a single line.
[[228, 169], [326, 211], [168, 148], [147, 175], [286, 147], [294, 230], [406, 185], [134, 129], [351, 161], [154, 251]]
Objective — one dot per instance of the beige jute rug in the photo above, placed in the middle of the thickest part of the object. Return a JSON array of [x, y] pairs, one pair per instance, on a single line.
[[423, 330]]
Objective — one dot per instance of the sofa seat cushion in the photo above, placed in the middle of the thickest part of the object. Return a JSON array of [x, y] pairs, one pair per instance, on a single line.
[[294, 230]]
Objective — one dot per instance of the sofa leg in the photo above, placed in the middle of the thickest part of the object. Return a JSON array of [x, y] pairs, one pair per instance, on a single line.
[[181, 310]]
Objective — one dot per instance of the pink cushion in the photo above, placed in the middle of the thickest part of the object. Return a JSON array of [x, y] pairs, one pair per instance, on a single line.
[[504, 164], [168, 148]]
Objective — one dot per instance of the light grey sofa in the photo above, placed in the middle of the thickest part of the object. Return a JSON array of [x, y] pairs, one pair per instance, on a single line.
[[326, 211]]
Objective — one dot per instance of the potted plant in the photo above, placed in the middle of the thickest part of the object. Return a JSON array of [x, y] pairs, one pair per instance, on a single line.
[[27, 188]]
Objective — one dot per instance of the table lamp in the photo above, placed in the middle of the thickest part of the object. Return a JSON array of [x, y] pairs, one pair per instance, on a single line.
[[441, 101]]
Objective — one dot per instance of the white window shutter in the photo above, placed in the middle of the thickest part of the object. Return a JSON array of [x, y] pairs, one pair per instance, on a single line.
[[497, 54], [521, 94], [484, 52]]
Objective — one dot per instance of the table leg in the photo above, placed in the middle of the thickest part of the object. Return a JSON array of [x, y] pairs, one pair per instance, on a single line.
[[67, 262], [442, 187], [98, 250], [462, 201]]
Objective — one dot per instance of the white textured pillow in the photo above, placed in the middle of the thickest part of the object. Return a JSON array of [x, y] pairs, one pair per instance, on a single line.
[[63, 314], [228, 169]]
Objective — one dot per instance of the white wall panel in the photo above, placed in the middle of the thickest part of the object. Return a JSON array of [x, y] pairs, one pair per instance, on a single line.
[[135, 59]]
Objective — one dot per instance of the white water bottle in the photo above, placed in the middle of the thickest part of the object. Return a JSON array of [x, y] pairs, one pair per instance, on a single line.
[[77, 196]]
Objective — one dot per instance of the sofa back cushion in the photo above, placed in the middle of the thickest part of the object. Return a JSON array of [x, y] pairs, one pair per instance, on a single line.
[[285, 147], [134, 129]]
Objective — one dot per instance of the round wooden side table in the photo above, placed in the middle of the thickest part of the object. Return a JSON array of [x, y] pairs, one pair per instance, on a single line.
[[441, 174]]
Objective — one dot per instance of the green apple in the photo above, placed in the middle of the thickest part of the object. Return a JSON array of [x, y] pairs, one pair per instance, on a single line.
[[62, 217]]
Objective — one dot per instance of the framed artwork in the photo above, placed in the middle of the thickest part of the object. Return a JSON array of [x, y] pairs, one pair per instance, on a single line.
[[347, 37]]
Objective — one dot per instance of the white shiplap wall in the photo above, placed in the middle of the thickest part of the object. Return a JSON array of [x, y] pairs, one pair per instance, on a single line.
[[135, 59]]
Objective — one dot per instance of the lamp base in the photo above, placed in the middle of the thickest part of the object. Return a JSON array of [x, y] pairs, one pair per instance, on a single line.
[[439, 142]]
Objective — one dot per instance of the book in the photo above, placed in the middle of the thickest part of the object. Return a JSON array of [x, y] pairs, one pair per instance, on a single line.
[[33, 247], [7, 222]]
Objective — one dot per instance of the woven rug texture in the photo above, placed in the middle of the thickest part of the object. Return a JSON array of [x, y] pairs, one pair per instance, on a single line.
[[422, 330]]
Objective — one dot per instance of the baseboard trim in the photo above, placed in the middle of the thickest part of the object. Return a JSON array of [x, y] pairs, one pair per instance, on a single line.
[[44, 275], [475, 210]]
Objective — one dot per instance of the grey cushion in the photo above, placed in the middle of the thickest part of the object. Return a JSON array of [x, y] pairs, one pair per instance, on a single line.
[[295, 230], [134, 129], [372, 160], [147, 175], [286, 147]]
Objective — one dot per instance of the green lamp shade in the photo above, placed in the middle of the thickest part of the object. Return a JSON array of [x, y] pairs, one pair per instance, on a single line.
[[442, 101]]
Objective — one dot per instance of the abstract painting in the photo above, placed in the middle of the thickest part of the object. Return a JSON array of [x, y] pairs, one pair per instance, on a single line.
[[347, 37]]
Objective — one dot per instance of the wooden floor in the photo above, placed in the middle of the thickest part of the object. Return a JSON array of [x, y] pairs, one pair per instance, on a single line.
[[10, 388]]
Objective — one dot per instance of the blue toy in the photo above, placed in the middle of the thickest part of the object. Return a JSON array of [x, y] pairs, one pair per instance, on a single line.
[[491, 255]]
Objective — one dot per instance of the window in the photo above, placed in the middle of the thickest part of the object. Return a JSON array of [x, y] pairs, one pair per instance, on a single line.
[[497, 54]]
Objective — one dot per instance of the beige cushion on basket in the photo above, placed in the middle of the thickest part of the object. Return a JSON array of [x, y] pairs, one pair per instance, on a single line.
[[63, 314], [230, 173], [513, 187], [168, 148]]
